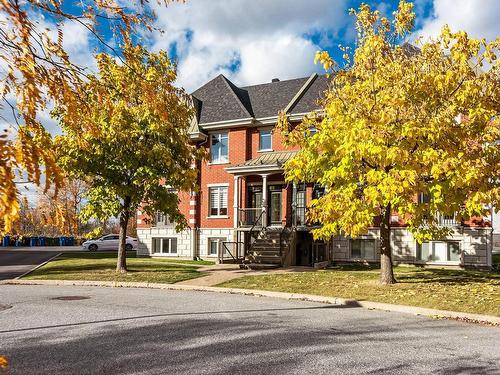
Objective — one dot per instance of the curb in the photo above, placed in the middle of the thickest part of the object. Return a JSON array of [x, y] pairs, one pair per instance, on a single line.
[[413, 310]]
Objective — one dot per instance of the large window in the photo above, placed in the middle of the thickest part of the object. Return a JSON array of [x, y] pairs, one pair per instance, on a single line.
[[166, 245], [265, 140], [362, 249], [213, 245], [218, 200], [439, 251], [219, 148]]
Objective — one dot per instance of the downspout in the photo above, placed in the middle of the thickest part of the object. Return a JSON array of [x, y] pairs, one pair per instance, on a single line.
[[489, 253]]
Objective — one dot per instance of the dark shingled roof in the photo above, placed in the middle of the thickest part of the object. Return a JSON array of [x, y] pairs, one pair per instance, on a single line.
[[269, 98], [309, 100], [218, 101], [221, 100]]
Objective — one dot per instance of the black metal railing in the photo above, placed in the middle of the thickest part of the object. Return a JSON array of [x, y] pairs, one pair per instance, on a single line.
[[230, 248], [249, 217]]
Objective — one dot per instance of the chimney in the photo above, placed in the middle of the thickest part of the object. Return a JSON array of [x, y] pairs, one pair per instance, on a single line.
[[275, 80]]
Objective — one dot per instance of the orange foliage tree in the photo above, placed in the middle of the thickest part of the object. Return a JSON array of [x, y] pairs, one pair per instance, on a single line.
[[36, 70]]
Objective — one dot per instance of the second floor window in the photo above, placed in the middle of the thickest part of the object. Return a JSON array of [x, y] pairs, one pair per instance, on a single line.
[[218, 201], [265, 140], [219, 148]]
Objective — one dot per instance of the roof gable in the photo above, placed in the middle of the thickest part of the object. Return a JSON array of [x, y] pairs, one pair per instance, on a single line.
[[220, 100]]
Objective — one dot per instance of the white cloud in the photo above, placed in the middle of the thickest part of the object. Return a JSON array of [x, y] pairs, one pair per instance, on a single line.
[[479, 18], [285, 56], [249, 41]]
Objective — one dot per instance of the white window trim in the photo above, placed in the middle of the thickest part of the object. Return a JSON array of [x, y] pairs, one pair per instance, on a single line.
[[225, 185], [438, 262], [271, 135], [209, 240], [210, 162], [176, 254]]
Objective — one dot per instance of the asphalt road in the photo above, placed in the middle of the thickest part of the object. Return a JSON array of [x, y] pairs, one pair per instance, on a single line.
[[145, 331], [14, 263]]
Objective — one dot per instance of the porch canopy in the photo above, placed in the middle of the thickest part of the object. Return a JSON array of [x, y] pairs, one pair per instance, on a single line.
[[264, 165]]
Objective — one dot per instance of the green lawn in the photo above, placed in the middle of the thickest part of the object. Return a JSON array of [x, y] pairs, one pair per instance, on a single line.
[[101, 267], [456, 290]]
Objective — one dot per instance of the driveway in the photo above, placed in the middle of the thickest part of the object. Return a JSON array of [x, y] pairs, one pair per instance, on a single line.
[[14, 263], [91, 330]]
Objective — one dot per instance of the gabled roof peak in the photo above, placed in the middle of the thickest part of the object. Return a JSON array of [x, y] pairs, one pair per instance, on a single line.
[[220, 100]]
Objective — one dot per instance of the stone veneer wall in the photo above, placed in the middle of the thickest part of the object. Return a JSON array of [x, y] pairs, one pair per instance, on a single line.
[[475, 244], [146, 235], [184, 240]]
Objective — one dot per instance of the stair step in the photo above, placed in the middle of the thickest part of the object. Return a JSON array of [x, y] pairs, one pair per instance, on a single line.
[[266, 254], [265, 247], [266, 259]]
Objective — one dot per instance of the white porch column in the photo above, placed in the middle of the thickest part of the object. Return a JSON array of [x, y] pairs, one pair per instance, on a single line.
[[236, 195], [264, 200]]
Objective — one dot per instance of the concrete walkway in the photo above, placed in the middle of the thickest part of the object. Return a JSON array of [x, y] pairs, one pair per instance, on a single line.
[[217, 274], [224, 272]]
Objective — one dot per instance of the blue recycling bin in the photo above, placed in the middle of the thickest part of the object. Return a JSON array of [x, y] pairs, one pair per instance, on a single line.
[[62, 241], [41, 241], [33, 241], [70, 241], [6, 241]]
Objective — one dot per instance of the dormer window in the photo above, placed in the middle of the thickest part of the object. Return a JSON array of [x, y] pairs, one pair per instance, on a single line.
[[219, 147], [265, 140]]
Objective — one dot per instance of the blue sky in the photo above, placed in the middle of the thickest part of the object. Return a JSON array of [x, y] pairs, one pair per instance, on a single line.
[[252, 42]]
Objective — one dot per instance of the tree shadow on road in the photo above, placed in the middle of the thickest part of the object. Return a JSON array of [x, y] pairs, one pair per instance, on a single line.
[[249, 342]]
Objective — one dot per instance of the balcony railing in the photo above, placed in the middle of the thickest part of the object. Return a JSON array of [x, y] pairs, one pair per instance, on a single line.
[[249, 217], [447, 220]]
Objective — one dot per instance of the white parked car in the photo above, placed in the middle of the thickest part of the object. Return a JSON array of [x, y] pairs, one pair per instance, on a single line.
[[110, 242]]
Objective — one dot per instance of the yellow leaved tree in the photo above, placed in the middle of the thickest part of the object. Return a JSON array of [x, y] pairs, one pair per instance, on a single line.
[[129, 140], [398, 121]]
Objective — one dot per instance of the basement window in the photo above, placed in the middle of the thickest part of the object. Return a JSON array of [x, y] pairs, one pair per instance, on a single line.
[[166, 245], [439, 251], [363, 249]]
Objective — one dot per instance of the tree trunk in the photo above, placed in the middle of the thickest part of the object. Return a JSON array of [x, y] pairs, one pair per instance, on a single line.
[[121, 262], [386, 272]]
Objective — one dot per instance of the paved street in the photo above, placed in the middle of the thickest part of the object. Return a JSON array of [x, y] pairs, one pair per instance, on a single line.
[[144, 331], [14, 263]]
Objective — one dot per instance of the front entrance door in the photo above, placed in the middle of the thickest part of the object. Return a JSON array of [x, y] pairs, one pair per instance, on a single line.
[[275, 207]]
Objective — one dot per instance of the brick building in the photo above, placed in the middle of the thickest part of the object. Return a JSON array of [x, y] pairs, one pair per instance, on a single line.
[[244, 208]]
